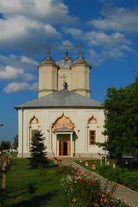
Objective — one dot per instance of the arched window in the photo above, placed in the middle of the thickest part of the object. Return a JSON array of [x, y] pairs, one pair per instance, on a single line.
[[92, 120], [34, 120], [92, 131], [33, 126]]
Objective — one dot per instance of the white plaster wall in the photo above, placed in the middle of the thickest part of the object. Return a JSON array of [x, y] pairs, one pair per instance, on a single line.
[[47, 117]]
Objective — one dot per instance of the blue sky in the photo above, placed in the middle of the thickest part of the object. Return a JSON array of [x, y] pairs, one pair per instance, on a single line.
[[108, 30]]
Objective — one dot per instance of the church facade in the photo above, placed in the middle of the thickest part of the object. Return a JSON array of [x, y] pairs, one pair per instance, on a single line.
[[70, 121]]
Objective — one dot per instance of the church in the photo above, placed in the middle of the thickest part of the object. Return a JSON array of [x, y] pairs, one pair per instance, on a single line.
[[70, 121]]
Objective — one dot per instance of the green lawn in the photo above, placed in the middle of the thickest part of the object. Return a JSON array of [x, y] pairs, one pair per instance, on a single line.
[[30, 187], [26, 187], [124, 176]]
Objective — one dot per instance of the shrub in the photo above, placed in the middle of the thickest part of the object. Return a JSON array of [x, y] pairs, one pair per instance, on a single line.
[[130, 180], [121, 176], [85, 190], [110, 173]]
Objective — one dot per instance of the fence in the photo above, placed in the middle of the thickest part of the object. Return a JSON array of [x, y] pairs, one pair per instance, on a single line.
[[5, 163]]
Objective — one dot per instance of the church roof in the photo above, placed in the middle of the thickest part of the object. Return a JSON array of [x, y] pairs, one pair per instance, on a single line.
[[81, 61], [61, 99], [47, 61], [66, 62]]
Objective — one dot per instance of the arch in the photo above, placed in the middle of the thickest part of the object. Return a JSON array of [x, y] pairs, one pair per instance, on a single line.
[[92, 120], [63, 122], [34, 120]]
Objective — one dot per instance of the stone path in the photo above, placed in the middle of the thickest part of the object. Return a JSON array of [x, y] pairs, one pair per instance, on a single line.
[[127, 195]]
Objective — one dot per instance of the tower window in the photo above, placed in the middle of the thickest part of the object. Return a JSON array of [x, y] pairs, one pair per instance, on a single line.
[[92, 137]]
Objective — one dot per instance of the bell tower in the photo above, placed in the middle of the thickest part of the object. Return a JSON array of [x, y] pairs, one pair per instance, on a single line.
[[53, 75], [81, 76], [65, 71], [47, 82]]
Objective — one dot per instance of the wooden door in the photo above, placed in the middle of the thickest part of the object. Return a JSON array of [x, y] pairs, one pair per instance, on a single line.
[[64, 148], [61, 148], [68, 148]]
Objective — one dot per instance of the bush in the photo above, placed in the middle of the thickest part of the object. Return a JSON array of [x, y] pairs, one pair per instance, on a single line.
[[121, 176], [110, 173], [84, 190], [130, 180]]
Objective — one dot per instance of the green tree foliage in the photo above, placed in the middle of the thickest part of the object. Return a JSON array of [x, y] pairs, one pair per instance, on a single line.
[[38, 151], [121, 120], [15, 143], [5, 145]]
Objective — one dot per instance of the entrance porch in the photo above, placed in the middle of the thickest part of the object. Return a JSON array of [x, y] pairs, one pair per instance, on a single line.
[[65, 143]]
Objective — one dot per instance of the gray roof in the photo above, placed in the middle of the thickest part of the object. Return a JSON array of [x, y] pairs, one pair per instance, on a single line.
[[61, 99], [64, 129]]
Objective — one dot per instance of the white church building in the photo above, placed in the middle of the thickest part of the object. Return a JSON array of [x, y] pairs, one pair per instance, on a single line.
[[70, 121]]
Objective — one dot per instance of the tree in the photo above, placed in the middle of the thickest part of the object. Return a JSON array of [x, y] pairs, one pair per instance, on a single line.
[[38, 151], [121, 120], [5, 145], [15, 143]]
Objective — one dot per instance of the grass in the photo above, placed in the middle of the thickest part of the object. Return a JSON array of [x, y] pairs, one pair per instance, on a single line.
[[28, 187], [124, 176]]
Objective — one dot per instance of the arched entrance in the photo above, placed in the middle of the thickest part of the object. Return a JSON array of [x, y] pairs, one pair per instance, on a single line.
[[63, 128], [65, 142]]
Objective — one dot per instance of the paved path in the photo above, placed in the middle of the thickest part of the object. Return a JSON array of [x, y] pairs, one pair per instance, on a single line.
[[127, 195]]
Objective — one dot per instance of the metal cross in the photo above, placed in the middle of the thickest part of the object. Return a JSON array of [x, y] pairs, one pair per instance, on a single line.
[[48, 49], [67, 46], [81, 47]]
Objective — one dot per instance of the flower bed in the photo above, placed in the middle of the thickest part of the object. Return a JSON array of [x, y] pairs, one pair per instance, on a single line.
[[83, 190]]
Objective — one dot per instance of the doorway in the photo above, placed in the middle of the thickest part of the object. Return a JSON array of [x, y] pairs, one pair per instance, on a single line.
[[64, 148]]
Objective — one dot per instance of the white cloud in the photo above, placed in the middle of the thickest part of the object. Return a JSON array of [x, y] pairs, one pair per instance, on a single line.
[[73, 31], [106, 46], [105, 55], [10, 73], [27, 64], [101, 39], [13, 28], [28, 77], [27, 24], [50, 11], [21, 33], [15, 87], [28, 61], [17, 67], [51, 31], [117, 19]]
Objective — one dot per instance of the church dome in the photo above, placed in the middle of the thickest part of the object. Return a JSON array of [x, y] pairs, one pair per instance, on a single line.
[[47, 61], [81, 61], [66, 62]]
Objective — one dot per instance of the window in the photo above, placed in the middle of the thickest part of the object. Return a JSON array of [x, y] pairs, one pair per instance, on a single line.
[[34, 120], [92, 137]]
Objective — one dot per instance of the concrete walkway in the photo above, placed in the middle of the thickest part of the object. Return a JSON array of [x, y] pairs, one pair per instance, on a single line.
[[127, 195]]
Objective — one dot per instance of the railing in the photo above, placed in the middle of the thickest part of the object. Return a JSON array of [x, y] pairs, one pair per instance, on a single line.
[[5, 163]]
